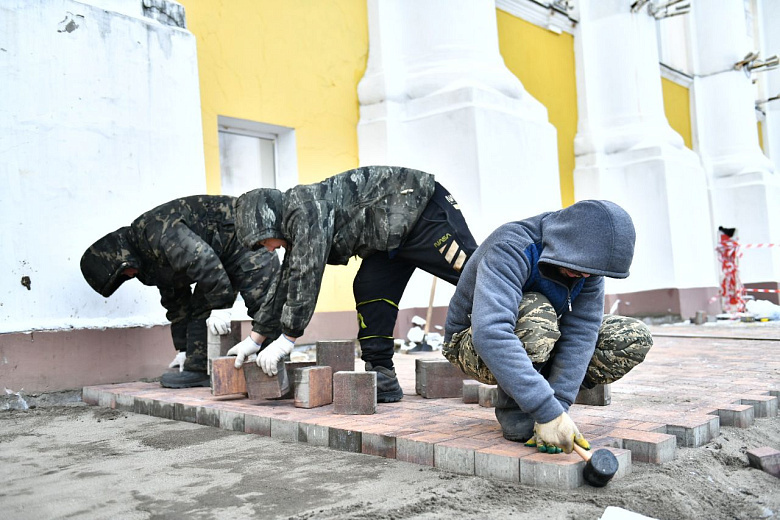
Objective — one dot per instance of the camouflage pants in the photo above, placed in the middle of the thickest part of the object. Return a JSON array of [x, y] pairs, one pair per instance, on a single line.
[[622, 343]]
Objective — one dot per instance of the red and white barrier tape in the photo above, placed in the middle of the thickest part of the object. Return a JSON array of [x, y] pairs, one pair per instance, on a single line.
[[762, 290], [750, 246]]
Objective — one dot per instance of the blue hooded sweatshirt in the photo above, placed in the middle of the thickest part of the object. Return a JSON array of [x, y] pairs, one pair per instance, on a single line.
[[592, 236]]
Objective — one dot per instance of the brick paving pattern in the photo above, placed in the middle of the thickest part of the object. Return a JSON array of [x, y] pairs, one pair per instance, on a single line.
[[694, 380]]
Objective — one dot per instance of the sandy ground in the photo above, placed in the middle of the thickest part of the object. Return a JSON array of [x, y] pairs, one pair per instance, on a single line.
[[63, 459]]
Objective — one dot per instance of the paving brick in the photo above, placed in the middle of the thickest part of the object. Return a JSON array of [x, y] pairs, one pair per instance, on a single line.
[[226, 379], [207, 416], [471, 391], [290, 367], [606, 441], [186, 412], [437, 378], [142, 405], [764, 405], [343, 439], [766, 459], [124, 402], [379, 441], [354, 393], [488, 395], [600, 395], [314, 434], [655, 448], [418, 448], [284, 429], [339, 355], [231, 420], [693, 432], [259, 385], [457, 455], [163, 409], [650, 427], [736, 415], [258, 425], [313, 386], [232, 338], [106, 399], [559, 471], [90, 395], [501, 461]]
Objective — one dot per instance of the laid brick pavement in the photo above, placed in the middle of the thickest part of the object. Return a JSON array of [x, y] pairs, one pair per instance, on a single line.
[[694, 379]]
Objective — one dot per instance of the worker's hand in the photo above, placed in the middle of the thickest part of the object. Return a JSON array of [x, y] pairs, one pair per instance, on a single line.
[[268, 359], [243, 350], [178, 361], [219, 322], [558, 435]]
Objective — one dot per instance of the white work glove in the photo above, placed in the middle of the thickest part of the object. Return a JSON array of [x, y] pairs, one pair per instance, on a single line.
[[559, 434], [243, 350], [219, 322], [178, 361], [268, 359]]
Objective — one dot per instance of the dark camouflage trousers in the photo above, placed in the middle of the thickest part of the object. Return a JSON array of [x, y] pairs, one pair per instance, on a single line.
[[622, 343]]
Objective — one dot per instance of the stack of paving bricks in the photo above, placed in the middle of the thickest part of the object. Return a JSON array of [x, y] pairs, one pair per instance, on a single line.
[[464, 437]]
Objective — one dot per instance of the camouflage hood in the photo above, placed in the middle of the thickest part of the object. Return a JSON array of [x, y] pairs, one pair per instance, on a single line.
[[592, 236], [259, 216], [104, 262]]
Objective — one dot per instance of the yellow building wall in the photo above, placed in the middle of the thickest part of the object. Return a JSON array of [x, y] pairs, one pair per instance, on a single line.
[[677, 106], [544, 63], [293, 63]]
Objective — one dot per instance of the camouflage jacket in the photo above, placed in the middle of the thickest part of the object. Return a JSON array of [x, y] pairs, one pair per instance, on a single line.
[[357, 212], [184, 241]]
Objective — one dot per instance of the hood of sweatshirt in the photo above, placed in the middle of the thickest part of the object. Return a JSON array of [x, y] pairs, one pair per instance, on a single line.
[[592, 236], [259, 216], [104, 263]]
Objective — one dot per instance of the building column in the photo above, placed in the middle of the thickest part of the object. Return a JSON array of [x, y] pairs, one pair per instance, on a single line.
[[769, 19], [627, 152], [437, 96], [745, 190]]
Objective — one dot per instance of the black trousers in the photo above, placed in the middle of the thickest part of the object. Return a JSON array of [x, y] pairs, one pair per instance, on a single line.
[[440, 243]]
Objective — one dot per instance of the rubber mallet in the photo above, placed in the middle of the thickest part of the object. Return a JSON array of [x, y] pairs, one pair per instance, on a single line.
[[600, 468]]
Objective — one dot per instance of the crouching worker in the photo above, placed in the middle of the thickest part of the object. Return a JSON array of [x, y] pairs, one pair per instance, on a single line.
[[396, 219], [528, 316], [184, 241]]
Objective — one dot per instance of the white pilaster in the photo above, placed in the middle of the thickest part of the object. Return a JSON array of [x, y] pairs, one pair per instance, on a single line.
[[745, 191], [627, 152], [770, 21], [438, 97]]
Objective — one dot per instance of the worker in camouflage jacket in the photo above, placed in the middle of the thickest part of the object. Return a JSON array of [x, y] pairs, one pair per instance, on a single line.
[[186, 241], [528, 316], [396, 219]]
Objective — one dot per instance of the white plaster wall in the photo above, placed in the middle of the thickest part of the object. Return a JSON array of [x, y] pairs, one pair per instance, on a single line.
[[770, 20], [99, 121], [438, 97]]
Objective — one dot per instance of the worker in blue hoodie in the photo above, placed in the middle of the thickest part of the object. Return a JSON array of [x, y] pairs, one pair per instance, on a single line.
[[528, 315]]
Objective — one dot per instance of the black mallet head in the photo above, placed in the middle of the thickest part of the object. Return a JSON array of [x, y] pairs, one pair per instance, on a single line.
[[600, 468]]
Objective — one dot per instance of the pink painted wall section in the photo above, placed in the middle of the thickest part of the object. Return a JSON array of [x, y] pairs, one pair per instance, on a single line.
[[52, 361]]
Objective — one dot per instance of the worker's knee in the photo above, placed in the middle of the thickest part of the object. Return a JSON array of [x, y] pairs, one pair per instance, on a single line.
[[622, 344]]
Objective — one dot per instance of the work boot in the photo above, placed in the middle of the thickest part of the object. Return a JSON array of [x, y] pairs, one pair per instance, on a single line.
[[185, 379], [516, 425], [387, 388]]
